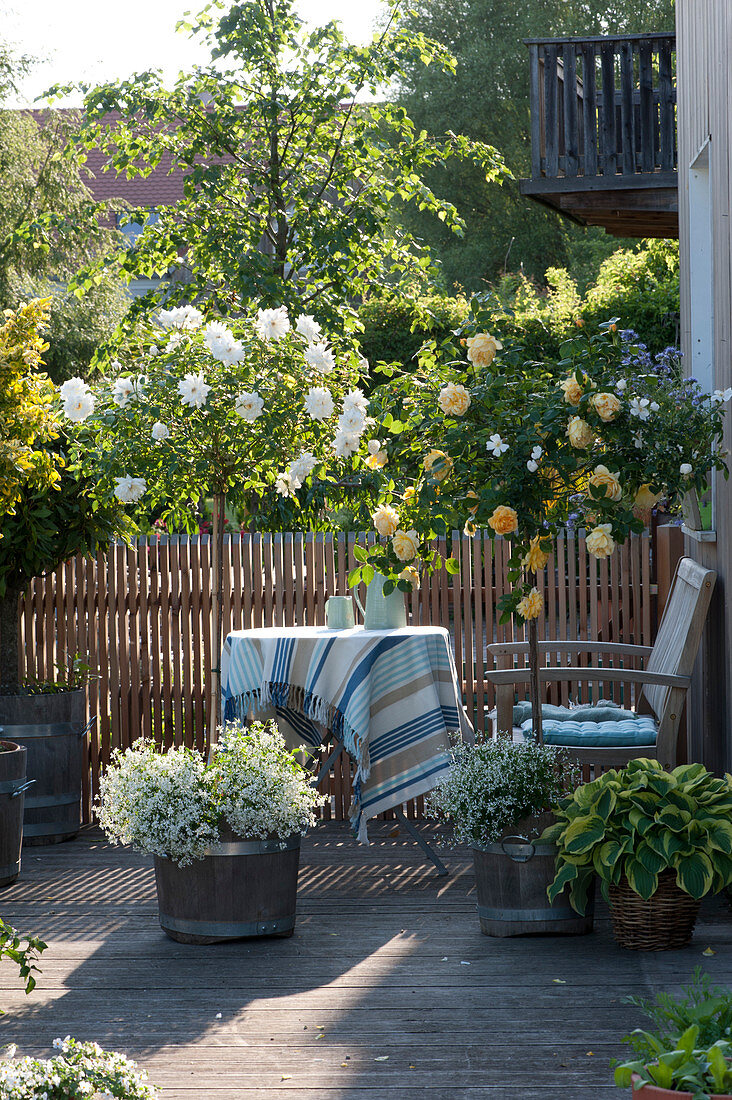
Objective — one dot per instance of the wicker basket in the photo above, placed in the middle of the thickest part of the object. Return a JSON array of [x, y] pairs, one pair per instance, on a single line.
[[664, 922]]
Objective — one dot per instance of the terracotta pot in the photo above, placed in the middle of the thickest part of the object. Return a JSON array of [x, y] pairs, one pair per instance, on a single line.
[[653, 1092]]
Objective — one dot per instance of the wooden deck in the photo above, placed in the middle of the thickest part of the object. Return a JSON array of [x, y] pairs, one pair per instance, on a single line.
[[386, 990]]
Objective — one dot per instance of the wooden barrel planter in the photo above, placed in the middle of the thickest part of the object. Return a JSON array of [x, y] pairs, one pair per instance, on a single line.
[[241, 888], [13, 784], [511, 880], [663, 922], [51, 728]]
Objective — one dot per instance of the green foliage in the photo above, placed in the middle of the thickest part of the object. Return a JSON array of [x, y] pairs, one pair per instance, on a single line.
[[487, 98], [23, 951], [687, 1068], [277, 150], [640, 821], [395, 326], [699, 1004]]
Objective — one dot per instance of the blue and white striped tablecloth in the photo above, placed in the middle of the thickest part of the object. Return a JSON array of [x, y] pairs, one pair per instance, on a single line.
[[391, 695]]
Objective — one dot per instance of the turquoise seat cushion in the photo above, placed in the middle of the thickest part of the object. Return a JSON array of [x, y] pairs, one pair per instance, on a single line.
[[641, 731], [604, 710]]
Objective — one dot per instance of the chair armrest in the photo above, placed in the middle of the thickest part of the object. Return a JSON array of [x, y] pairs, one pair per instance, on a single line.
[[560, 673], [502, 649]]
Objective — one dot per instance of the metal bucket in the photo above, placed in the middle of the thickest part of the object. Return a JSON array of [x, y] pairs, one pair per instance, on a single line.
[[240, 888], [13, 785]]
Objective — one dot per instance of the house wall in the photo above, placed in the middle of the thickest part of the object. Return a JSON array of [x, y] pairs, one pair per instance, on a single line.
[[704, 96]]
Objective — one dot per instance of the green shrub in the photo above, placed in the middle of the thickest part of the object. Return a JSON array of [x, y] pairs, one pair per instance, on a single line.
[[395, 327]]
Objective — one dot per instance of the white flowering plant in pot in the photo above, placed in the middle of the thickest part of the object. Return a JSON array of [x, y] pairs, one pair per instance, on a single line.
[[174, 805], [479, 438], [80, 1071], [256, 411]]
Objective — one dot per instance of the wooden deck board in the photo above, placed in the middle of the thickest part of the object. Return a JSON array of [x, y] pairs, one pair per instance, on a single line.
[[386, 989]]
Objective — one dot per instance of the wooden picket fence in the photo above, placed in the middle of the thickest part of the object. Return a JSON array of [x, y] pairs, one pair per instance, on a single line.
[[140, 617]]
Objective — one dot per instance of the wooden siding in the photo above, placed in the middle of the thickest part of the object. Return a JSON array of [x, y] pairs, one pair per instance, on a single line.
[[704, 43], [141, 616]]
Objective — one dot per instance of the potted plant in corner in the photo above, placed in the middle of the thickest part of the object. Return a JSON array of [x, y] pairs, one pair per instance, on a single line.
[[658, 841], [50, 511], [225, 835], [496, 797], [688, 1055]]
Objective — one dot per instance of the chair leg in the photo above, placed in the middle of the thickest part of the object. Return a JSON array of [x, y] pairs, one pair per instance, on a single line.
[[424, 845]]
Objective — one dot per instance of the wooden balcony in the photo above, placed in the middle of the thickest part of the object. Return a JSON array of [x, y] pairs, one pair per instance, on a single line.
[[603, 131]]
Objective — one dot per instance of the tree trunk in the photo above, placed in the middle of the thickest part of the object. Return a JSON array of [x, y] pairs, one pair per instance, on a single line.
[[9, 632], [534, 689], [217, 612]]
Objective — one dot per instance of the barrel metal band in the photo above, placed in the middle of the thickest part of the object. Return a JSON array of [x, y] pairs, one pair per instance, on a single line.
[[253, 847], [520, 849], [55, 729], [38, 802], [559, 912], [52, 828], [227, 928], [10, 869]]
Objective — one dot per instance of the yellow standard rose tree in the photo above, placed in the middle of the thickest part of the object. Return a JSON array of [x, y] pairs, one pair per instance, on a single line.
[[479, 438]]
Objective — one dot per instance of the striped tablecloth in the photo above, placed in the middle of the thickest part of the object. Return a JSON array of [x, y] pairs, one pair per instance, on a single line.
[[391, 695]]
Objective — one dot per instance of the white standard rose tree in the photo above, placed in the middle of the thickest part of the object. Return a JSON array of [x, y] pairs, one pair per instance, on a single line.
[[525, 450], [242, 411]]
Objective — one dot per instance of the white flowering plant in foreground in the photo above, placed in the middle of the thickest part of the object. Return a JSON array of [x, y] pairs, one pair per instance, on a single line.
[[262, 409], [80, 1071], [494, 785], [172, 804]]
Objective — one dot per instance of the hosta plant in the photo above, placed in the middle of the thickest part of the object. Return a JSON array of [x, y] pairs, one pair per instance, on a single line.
[[493, 785], [78, 1071], [683, 1067], [173, 804], [640, 821]]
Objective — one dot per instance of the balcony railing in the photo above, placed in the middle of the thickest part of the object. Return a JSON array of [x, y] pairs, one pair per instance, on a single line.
[[603, 107]]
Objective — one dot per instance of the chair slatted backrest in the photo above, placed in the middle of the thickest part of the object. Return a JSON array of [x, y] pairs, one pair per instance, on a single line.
[[680, 630]]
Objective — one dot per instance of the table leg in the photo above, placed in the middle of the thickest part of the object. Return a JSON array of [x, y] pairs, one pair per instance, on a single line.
[[416, 835]]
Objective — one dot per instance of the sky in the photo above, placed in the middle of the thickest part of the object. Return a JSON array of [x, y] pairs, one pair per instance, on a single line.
[[94, 41]]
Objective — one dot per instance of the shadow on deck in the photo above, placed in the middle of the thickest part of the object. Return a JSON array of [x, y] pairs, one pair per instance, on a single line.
[[387, 988]]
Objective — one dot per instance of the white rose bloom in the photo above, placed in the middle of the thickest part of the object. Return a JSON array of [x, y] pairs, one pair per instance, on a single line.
[[345, 443], [301, 467], [685, 469], [123, 391], [183, 318], [496, 446], [308, 327], [129, 489], [283, 486], [249, 405], [193, 390], [78, 408], [153, 350], [363, 365], [160, 431], [320, 358], [227, 350], [214, 333], [641, 407], [175, 338], [272, 324], [319, 403], [355, 399], [374, 446], [352, 421], [621, 385], [72, 387]]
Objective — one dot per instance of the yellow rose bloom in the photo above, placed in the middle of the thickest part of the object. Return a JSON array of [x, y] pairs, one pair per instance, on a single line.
[[386, 520], [600, 542], [377, 461], [580, 433], [438, 465], [472, 495], [469, 529], [409, 573], [454, 399], [602, 476], [531, 606], [504, 520], [572, 390], [645, 499], [409, 494], [535, 559], [482, 349], [607, 405], [405, 545]]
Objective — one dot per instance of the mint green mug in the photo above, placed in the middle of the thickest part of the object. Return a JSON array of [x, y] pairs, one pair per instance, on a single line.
[[339, 613]]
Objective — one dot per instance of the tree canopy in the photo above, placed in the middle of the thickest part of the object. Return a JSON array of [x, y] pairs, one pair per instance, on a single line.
[[292, 171], [487, 98]]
